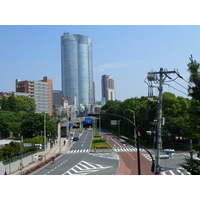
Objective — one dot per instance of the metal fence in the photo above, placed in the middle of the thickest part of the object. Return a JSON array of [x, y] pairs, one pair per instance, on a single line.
[[10, 160]]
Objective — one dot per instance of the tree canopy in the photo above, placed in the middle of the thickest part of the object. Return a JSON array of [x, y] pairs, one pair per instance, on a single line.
[[17, 116], [17, 104]]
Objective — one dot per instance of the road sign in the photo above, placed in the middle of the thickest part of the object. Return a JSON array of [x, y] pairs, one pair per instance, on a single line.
[[70, 124], [27, 144], [114, 122], [88, 120]]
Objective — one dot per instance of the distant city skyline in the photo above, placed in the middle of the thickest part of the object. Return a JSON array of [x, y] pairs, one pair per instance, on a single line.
[[127, 53]]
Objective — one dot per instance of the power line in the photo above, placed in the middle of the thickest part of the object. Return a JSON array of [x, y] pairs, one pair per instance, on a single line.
[[190, 84], [174, 80], [183, 79], [176, 89], [180, 85]]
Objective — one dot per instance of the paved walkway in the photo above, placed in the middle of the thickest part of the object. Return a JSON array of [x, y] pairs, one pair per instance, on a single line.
[[57, 148]]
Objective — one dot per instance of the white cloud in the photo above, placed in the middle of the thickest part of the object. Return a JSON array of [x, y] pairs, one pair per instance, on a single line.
[[108, 66]]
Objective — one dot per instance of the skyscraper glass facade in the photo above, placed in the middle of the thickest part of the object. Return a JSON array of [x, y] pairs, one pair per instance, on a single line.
[[77, 69]]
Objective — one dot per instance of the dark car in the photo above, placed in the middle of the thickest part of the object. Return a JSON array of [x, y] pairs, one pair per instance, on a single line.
[[75, 139]]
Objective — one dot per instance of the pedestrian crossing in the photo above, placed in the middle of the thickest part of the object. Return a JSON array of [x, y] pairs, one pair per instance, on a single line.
[[126, 149], [77, 151], [88, 150], [119, 149], [122, 149], [147, 156], [84, 168], [175, 172]]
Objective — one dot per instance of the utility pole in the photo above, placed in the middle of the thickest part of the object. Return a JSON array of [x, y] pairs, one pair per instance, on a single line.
[[152, 76]]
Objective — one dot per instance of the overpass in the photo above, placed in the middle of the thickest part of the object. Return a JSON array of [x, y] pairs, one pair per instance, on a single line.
[[77, 122], [64, 122]]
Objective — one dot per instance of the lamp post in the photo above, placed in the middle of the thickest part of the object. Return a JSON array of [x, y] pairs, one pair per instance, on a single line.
[[45, 147], [135, 128], [133, 122]]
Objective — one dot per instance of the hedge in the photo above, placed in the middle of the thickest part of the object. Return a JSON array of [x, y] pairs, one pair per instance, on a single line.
[[101, 146], [99, 140]]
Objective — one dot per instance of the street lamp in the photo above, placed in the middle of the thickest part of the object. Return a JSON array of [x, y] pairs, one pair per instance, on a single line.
[[133, 122], [45, 148], [135, 128]]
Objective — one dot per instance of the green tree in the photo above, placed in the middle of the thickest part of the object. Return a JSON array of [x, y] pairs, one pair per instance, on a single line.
[[193, 68], [194, 92], [25, 104], [17, 104], [11, 150], [33, 125], [192, 166], [175, 111], [145, 113], [9, 122]]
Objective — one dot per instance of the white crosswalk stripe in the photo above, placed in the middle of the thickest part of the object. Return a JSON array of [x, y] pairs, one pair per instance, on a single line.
[[175, 172], [83, 168], [147, 156], [77, 151], [124, 149]]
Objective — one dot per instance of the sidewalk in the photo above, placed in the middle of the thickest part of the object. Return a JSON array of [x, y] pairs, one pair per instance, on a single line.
[[56, 149]]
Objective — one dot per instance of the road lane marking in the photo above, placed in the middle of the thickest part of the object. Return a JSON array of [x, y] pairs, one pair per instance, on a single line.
[[84, 170], [84, 166], [88, 164], [171, 172], [131, 155], [55, 167]]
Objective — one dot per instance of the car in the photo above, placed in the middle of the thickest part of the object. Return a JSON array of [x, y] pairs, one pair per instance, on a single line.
[[39, 146], [75, 139]]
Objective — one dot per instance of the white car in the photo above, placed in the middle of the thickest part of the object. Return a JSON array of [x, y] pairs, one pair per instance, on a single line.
[[39, 146]]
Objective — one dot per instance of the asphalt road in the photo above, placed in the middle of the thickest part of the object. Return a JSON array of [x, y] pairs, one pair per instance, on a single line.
[[79, 161], [128, 156]]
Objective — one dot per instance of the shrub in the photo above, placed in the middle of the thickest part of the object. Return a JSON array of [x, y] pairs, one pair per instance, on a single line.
[[99, 140], [101, 146], [32, 169], [97, 136]]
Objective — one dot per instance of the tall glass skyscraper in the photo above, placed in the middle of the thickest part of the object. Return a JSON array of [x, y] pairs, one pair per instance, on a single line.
[[77, 69]]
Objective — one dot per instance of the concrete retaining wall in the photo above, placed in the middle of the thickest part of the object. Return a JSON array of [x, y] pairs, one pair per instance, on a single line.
[[14, 166]]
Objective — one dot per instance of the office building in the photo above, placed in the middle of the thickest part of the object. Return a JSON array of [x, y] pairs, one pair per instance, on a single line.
[[40, 91], [10, 94], [108, 90], [60, 103], [77, 69]]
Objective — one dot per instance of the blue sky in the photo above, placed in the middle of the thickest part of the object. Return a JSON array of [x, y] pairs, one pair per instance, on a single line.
[[127, 53]]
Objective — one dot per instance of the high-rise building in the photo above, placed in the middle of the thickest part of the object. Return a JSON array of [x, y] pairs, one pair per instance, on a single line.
[[108, 90], [40, 91], [77, 69]]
